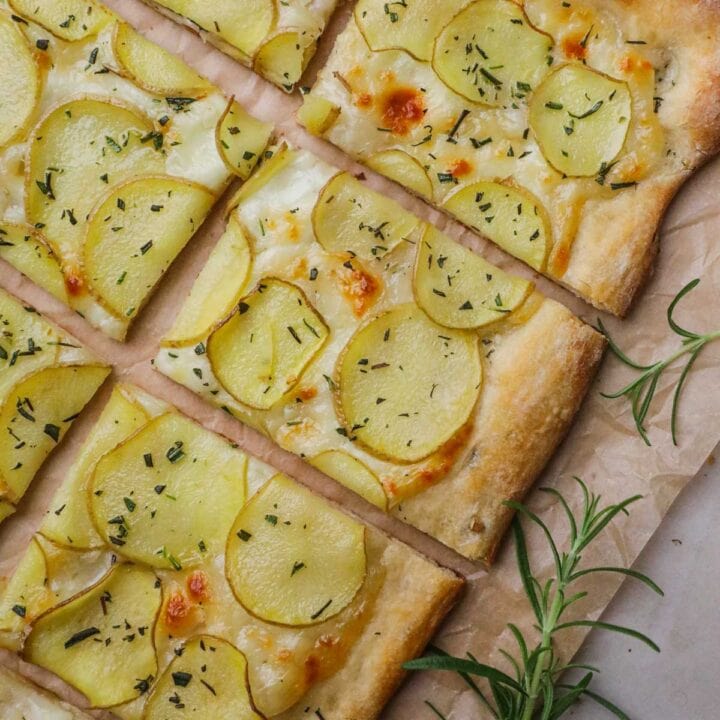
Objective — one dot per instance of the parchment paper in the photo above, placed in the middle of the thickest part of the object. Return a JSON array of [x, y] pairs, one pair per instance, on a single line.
[[602, 447]]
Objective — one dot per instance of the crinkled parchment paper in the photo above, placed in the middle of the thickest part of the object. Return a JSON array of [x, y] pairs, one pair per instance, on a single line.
[[602, 447]]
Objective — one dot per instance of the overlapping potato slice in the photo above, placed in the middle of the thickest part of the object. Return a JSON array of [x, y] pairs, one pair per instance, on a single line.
[[26, 594], [70, 523], [168, 495], [135, 233], [406, 385], [241, 139], [260, 352], [77, 151], [317, 114], [216, 290], [27, 342], [243, 25], [491, 54], [507, 215], [274, 162], [24, 248], [292, 558], [408, 25], [349, 217], [283, 57], [580, 118], [208, 679], [6, 510], [153, 68], [20, 82], [458, 288], [35, 415], [403, 169], [349, 471], [67, 19], [101, 641]]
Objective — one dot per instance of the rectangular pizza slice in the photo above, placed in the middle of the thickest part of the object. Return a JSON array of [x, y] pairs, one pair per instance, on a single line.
[[112, 152], [587, 114], [391, 357], [46, 379], [175, 574], [277, 39]]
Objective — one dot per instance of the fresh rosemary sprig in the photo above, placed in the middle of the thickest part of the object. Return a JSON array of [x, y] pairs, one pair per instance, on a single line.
[[535, 689], [641, 391]]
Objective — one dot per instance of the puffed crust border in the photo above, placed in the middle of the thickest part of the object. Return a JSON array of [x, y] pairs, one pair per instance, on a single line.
[[539, 376]]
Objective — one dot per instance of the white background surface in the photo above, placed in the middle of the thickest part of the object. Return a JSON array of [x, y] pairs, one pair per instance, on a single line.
[[683, 557]]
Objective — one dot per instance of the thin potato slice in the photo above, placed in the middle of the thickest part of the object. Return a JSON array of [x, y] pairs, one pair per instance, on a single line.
[[101, 641], [243, 25], [27, 342], [209, 679], [67, 19], [153, 68], [241, 139], [35, 416], [509, 216], [403, 169], [25, 249], [580, 118], [409, 25], [217, 289], [26, 594], [406, 385], [282, 58], [168, 495], [317, 114], [6, 510], [76, 152], [458, 289], [70, 524], [260, 352], [20, 82], [134, 235], [353, 474], [292, 558], [349, 217], [491, 54]]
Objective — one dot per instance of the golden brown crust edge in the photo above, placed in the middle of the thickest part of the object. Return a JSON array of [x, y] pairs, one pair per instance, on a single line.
[[532, 392]]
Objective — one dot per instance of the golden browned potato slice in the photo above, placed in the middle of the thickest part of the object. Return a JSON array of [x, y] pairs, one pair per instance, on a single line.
[[26, 594], [408, 25], [241, 139], [243, 25], [292, 558], [101, 641], [135, 233], [458, 289], [260, 352], [25, 249], [36, 414], [403, 169], [168, 495], [317, 114], [76, 152], [71, 524], [67, 19], [208, 679], [217, 289], [580, 118], [509, 216], [153, 68], [350, 217], [406, 385], [491, 54], [283, 57], [20, 82], [353, 474], [27, 342]]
